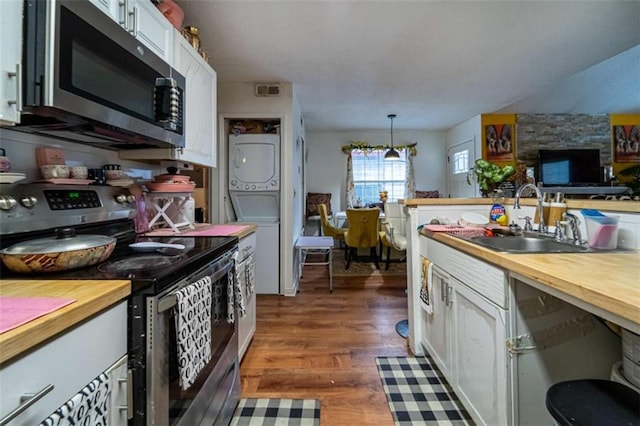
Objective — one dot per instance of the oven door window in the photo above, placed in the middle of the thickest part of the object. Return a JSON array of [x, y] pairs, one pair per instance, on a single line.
[[221, 334], [95, 67]]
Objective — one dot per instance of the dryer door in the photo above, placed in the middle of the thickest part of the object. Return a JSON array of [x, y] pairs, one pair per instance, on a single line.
[[254, 162]]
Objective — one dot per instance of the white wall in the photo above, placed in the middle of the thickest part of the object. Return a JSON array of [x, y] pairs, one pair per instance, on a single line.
[[21, 149], [327, 165], [238, 100]]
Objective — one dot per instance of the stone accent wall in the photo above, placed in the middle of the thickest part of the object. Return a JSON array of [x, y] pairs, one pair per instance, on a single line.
[[562, 131]]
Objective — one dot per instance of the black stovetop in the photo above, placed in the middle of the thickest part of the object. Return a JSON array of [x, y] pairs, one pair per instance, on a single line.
[[148, 272]]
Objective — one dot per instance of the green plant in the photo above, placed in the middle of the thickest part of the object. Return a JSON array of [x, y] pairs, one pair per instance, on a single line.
[[489, 175]]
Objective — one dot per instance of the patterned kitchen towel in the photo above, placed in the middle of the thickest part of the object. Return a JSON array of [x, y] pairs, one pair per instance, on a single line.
[[90, 406], [235, 301], [426, 291], [193, 329], [251, 275]]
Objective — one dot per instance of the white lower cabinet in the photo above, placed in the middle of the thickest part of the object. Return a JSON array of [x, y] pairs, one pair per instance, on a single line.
[[466, 333], [247, 276], [501, 342], [61, 367], [480, 357]]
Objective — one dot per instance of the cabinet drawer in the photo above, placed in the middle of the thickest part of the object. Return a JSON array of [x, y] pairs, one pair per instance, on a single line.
[[485, 279], [247, 246], [68, 362]]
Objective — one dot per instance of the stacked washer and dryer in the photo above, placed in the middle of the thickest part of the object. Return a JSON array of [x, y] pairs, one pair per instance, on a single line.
[[254, 190]]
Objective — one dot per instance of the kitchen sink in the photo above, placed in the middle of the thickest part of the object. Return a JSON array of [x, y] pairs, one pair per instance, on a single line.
[[520, 244]]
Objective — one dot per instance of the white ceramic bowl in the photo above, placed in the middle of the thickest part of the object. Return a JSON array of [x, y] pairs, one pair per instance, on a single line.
[[79, 172], [55, 171], [115, 174], [473, 219]]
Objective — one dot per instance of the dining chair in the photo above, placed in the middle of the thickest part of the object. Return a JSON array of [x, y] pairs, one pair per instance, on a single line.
[[314, 199], [329, 230], [392, 234], [362, 232]]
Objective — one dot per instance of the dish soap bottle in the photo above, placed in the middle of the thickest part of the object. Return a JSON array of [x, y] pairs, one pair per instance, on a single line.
[[498, 213]]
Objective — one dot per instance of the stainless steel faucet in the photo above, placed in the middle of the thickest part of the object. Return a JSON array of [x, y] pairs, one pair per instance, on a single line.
[[574, 224], [542, 227]]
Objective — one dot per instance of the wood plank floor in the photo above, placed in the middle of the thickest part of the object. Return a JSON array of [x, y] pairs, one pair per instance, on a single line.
[[321, 345]]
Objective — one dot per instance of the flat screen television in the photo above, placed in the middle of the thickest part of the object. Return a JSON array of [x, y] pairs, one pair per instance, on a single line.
[[569, 167]]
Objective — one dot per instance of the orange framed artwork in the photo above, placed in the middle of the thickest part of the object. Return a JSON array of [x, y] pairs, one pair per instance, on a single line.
[[626, 143], [498, 135]]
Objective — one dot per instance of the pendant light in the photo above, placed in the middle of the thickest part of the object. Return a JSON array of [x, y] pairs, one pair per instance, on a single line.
[[392, 154]]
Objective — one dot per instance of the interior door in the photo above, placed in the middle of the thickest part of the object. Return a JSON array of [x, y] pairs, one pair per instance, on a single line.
[[460, 158]]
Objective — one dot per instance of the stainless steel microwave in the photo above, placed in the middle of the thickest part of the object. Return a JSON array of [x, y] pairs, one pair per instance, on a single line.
[[87, 79]]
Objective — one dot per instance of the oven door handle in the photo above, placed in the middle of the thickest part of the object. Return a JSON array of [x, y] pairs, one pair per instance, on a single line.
[[170, 300]]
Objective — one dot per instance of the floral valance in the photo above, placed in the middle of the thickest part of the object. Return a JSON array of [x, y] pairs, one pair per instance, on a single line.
[[365, 147]]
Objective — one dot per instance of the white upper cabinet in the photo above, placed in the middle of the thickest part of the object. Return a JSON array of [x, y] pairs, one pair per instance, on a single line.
[[112, 8], [200, 104], [153, 29], [144, 21], [10, 53]]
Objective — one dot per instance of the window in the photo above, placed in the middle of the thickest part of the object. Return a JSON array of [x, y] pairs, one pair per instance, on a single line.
[[461, 162], [372, 174]]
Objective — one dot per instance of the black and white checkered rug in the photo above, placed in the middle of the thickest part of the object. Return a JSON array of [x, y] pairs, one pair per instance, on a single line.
[[277, 412], [418, 394]]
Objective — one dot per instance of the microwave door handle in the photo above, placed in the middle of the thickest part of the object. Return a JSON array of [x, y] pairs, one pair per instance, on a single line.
[[166, 103]]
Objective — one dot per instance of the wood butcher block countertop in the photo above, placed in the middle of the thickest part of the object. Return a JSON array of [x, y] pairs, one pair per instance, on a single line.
[[604, 205], [248, 229], [231, 229], [92, 296], [608, 281]]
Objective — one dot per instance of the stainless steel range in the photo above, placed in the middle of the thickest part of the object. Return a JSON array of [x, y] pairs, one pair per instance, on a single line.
[[33, 211]]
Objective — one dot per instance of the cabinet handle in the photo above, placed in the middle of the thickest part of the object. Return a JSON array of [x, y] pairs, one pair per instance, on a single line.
[[449, 292], [443, 289], [18, 75], [26, 401], [124, 5], [134, 25]]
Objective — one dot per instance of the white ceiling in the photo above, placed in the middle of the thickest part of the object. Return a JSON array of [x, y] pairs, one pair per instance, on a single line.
[[433, 63]]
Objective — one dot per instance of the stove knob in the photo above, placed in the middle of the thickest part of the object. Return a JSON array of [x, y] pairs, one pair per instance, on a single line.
[[121, 198], [29, 201], [7, 202], [131, 199]]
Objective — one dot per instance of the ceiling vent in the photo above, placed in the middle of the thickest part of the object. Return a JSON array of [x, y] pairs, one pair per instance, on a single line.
[[267, 89]]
